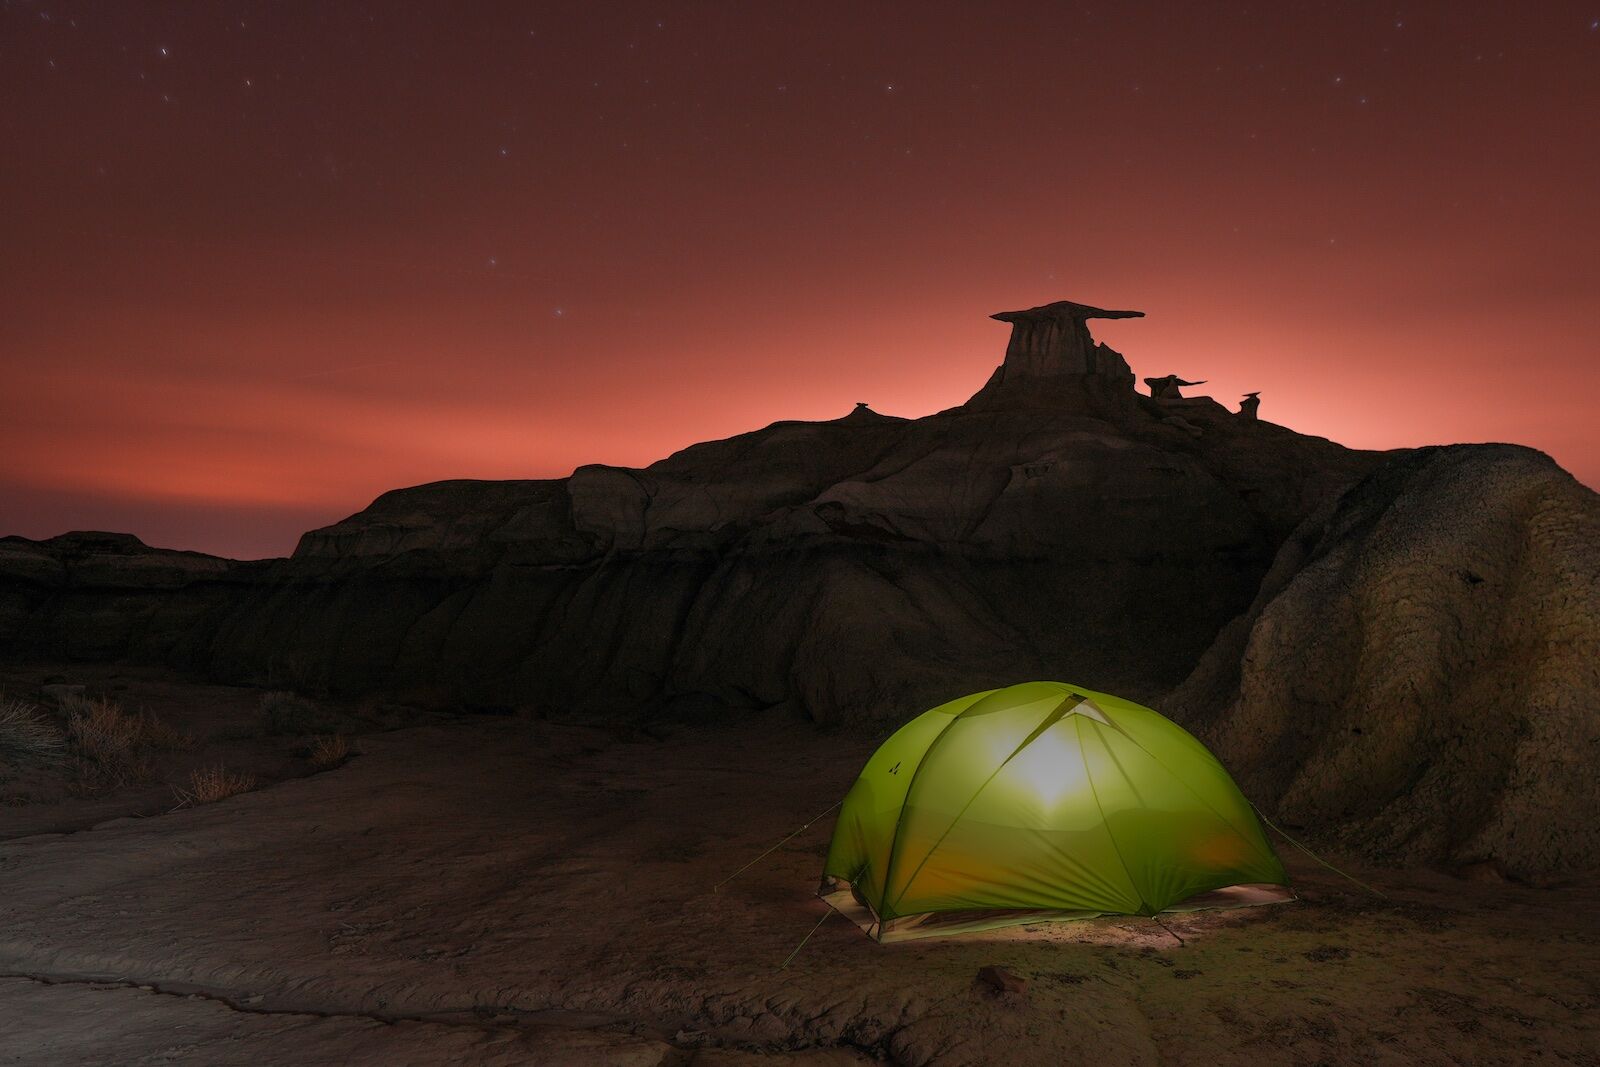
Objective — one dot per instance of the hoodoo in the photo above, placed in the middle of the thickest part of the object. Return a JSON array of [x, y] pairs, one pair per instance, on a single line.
[[1052, 360]]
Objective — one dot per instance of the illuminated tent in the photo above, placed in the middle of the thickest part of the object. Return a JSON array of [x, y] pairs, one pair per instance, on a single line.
[[1041, 801]]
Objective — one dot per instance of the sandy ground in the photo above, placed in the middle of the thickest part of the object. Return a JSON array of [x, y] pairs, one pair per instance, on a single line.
[[497, 891]]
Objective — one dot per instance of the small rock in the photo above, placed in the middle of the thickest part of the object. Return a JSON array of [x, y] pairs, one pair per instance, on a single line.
[[1001, 980]]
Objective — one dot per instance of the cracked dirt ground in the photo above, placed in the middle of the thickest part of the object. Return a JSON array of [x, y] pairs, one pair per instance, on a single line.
[[499, 891]]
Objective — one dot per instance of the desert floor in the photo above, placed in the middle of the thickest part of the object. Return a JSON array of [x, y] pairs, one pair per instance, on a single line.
[[497, 891]]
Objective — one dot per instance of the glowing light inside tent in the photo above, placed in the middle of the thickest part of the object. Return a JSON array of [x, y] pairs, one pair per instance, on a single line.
[[1050, 768]]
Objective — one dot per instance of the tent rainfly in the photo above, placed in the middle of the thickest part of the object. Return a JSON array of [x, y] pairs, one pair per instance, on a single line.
[[1042, 801]]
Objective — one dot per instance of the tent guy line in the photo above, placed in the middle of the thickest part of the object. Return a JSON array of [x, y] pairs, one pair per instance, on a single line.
[[1262, 816], [718, 887]]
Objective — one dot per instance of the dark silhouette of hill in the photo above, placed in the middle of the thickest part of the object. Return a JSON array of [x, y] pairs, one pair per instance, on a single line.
[[1058, 525]]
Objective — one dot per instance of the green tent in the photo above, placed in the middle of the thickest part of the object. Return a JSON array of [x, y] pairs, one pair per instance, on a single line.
[[1042, 801]]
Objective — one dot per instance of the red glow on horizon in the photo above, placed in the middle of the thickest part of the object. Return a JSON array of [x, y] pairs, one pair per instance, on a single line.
[[241, 311]]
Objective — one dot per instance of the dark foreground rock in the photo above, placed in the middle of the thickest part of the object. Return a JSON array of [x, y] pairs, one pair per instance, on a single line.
[[1421, 669]]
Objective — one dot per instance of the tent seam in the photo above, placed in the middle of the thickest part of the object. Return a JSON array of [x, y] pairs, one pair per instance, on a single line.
[[900, 818], [1159, 762], [1053, 716], [1088, 776]]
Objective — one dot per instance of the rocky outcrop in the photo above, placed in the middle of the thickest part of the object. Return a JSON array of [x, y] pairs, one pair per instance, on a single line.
[[1056, 526], [459, 515], [1406, 667], [94, 595], [1052, 361], [1419, 675], [854, 568]]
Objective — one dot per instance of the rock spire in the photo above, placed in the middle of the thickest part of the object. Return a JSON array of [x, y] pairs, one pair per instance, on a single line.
[[1052, 360]]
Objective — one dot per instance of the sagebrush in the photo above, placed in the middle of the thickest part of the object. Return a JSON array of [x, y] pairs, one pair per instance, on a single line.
[[330, 750], [27, 736], [211, 784], [113, 747]]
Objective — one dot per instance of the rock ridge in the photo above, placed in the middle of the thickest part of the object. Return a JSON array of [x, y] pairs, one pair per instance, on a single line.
[[1280, 587]]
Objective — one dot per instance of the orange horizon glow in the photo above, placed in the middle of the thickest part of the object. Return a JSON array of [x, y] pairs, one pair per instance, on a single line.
[[241, 312]]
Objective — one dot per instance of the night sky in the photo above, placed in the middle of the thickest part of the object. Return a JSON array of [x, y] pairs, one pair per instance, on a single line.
[[261, 262]]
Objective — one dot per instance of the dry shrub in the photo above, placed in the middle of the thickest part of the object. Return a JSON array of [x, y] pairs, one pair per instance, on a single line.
[[330, 751], [27, 737], [211, 784], [108, 744], [114, 748]]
